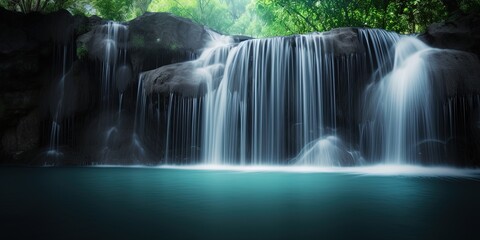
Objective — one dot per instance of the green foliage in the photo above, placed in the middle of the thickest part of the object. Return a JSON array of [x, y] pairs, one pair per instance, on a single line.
[[217, 14], [300, 16], [27, 6], [117, 10], [120, 10], [261, 18], [82, 52], [284, 17], [139, 7], [248, 23], [80, 7], [7, 4], [469, 5]]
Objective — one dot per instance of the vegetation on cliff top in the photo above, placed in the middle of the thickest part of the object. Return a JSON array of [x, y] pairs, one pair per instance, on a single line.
[[262, 18]]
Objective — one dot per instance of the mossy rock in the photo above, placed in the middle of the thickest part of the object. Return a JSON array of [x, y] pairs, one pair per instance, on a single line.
[[82, 51]]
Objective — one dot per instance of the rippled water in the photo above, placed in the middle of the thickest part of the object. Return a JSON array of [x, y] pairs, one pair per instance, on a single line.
[[139, 203]]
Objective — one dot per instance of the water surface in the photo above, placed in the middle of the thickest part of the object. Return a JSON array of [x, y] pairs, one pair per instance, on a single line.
[[153, 203]]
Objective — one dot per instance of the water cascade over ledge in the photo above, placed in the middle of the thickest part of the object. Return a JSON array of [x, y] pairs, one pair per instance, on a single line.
[[114, 80], [273, 101], [276, 96], [402, 107], [340, 98]]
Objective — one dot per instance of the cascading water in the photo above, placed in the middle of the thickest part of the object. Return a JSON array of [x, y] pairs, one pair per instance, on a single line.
[[279, 95], [400, 113], [180, 119], [293, 100], [267, 100], [58, 107], [113, 64], [115, 78], [379, 52], [182, 139], [328, 151]]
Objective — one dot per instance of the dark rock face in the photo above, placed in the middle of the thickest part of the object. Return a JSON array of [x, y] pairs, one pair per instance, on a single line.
[[343, 41], [32, 47], [24, 137], [460, 33], [78, 86], [174, 78], [164, 30], [27, 48], [124, 77], [153, 40], [182, 79], [457, 83], [157, 39], [455, 79], [32, 29], [455, 73]]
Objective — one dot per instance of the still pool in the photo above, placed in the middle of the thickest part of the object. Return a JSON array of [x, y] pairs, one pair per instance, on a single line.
[[159, 203]]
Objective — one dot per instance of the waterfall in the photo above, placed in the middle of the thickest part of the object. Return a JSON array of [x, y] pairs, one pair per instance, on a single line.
[[305, 99], [57, 105], [114, 61], [400, 111], [115, 77], [178, 119], [279, 95], [251, 104]]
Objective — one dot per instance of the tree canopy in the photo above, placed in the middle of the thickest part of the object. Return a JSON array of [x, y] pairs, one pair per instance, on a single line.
[[262, 18]]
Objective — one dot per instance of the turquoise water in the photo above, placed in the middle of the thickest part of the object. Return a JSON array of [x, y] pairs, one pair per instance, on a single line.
[[152, 203]]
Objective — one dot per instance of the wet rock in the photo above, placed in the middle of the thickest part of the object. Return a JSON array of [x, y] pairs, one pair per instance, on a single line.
[[24, 137], [83, 24], [181, 78], [11, 39], [78, 90], [343, 41], [453, 73], [158, 39], [124, 78], [340, 41], [240, 38], [462, 32], [103, 41], [29, 44], [155, 31]]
